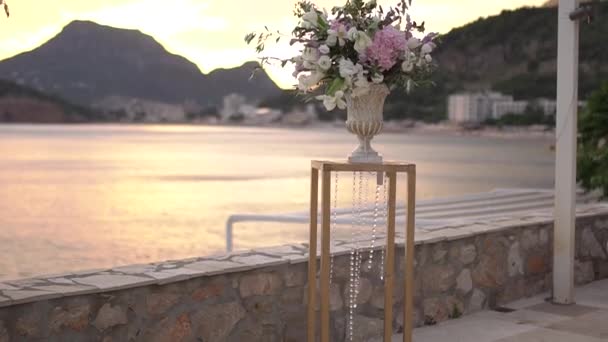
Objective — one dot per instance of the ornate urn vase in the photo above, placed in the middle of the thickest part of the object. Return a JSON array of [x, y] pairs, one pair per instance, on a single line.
[[364, 119]]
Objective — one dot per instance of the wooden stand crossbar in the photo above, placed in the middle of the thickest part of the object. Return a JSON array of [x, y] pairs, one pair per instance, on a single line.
[[390, 169]]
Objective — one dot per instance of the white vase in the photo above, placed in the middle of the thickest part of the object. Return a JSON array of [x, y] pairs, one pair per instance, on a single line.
[[364, 119]]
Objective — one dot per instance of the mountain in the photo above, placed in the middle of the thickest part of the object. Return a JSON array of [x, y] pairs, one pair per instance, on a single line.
[[22, 104], [87, 62], [514, 52]]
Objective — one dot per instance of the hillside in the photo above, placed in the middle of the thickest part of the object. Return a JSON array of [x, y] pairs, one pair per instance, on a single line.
[[514, 52], [87, 62], [22, 104]]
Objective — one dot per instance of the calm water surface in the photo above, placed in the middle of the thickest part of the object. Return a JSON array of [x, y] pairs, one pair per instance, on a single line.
[[81, 197]]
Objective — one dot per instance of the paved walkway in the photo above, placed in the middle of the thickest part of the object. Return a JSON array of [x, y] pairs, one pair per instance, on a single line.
[[533, 320]]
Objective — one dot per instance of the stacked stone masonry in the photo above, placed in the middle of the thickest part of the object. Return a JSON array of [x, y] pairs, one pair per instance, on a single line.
[[260, 295]]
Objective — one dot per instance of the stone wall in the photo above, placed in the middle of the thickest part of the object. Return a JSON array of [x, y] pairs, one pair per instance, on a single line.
[[260, 295]]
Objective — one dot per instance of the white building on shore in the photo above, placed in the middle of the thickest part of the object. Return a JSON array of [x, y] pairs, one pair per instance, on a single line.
[[474, 107], [481, 106], [501, 108], [549, 107], [143, 110]]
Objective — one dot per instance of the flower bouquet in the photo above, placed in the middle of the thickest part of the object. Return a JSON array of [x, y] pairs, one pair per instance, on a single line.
[[352, 59]]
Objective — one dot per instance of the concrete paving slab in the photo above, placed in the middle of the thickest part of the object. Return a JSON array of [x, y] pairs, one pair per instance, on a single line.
[[474, 328], [527, 302], [593, 324], [548, 335], [536, 318], [563, 310]]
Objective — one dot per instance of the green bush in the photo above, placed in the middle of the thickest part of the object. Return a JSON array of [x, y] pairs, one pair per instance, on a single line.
[[593, 143]]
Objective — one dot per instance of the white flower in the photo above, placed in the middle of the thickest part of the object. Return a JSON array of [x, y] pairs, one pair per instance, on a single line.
[[311, 19], [337, 36], [352, 34], [308, 65], [324, 63], [428, 58], [324, 49], [407, 65], [427, 48], [377, 78], [347, 68], [303, 82], [310, 54], [308, 81], [330, 102], [362, 41], [413, 43]]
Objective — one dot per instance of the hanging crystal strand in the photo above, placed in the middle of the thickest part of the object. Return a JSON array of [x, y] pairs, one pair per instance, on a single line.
[[333, 226], [374, 228], [360, 208], [351, 290], [385, 222]]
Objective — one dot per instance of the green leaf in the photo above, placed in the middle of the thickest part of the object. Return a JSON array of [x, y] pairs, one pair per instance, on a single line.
[[249, 37], [335, 85]]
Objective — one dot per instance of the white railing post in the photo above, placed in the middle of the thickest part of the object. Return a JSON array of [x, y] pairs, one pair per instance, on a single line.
[[565, 164], [229, 237]]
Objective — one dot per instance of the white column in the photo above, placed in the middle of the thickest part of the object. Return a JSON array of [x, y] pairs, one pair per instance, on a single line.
[[565, 164]]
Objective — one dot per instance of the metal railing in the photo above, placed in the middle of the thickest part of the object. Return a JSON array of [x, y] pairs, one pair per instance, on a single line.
[[451, 209]]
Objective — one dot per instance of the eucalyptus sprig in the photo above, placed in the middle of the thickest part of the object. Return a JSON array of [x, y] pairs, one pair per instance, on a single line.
[[5, 5]]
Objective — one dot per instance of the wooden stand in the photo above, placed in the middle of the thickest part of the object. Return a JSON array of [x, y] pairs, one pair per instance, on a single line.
[[390, 169]]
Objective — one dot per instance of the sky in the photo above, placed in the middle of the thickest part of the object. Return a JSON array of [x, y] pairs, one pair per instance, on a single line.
[[210, 32]]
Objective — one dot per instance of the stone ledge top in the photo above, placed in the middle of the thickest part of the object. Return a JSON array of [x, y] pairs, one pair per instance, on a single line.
[[97, 281]]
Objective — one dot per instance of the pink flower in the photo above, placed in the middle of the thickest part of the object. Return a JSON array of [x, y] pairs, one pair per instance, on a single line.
[[387, 46]]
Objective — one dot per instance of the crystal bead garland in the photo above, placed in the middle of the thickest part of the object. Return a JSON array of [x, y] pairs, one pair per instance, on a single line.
[[334, 219], [374, 228], [351, 292], [363, 199], [358, 221], [384, 224]]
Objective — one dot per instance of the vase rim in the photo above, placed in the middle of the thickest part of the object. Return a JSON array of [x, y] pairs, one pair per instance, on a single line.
[[374, 89]]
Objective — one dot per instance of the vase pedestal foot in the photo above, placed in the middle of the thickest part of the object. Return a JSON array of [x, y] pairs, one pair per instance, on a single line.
[[377, 159], [365, 153]]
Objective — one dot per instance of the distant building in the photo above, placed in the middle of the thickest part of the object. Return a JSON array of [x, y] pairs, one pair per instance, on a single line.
[[300, 117], [232, 108], [502, 108], [142, 110], [236, 108], [474, 107], [480, 106], [549, 107]]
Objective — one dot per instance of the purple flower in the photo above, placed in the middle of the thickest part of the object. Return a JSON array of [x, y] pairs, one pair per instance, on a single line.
[[429, 37], [387, 46], [335, 24]]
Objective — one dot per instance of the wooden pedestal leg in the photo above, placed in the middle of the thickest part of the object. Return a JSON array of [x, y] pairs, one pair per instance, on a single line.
[[390, 258], [409, 256], [325, 254], [312, 254]]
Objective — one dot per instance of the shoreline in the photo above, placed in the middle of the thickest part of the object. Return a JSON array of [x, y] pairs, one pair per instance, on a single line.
[[390, 127]]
